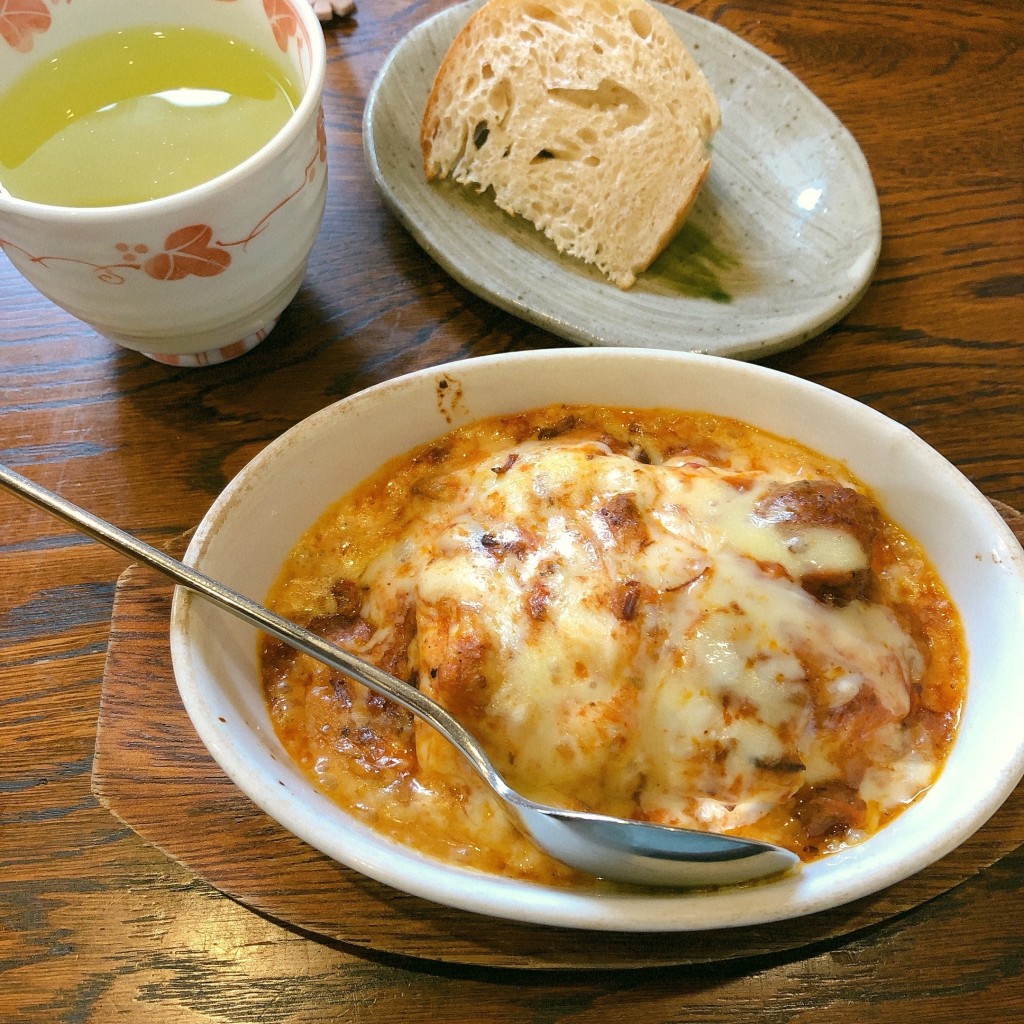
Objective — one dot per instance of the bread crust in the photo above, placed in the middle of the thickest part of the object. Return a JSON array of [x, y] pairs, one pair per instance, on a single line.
[[589, 118]]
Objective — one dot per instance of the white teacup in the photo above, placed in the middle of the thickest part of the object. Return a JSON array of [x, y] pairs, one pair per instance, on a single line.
[[200, 276]]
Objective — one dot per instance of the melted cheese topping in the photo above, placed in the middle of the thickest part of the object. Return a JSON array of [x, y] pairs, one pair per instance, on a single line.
[[653, 615]]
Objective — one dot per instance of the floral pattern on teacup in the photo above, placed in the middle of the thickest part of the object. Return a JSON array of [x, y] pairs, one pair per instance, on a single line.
[[283, 20], [286, 25], [21, 20], [188, 252]]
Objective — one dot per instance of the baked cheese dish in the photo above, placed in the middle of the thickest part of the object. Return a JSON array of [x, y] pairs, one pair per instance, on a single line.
[[654, 614]]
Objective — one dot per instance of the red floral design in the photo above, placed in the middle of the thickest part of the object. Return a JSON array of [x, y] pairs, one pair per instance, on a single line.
[[283, 20], [321, 135], [20, 19], [188, 252]]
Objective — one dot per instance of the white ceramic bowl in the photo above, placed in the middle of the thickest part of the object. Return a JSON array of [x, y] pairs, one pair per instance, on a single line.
[[200, 276], [244, 539]]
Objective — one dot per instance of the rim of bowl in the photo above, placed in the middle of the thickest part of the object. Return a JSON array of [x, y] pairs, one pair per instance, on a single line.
[[824, 884], [311, 97]]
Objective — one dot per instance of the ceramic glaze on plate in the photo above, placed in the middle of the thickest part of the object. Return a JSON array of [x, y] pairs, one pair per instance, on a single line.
[[787, 225], [245, 537]]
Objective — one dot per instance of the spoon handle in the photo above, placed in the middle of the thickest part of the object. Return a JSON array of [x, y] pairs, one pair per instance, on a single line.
[[297, 636]]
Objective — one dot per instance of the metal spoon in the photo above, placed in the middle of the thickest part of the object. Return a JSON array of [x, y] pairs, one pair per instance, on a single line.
[[612, 848]]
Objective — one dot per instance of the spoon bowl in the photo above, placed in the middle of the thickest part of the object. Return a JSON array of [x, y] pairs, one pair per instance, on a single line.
[[618, 849]]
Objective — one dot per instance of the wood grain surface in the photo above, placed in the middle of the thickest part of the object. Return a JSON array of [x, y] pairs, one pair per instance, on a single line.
[[97, 925]]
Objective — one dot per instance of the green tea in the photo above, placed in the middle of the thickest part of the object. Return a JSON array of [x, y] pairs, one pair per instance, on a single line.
[[138, 114]]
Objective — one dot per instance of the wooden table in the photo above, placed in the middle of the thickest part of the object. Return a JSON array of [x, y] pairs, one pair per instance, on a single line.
[[96, 925]]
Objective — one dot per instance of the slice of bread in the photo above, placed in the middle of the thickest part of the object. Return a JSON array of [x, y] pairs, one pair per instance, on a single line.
[[587, 117]]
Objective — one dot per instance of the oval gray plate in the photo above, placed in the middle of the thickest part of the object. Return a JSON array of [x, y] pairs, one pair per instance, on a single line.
[[780, 244]]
